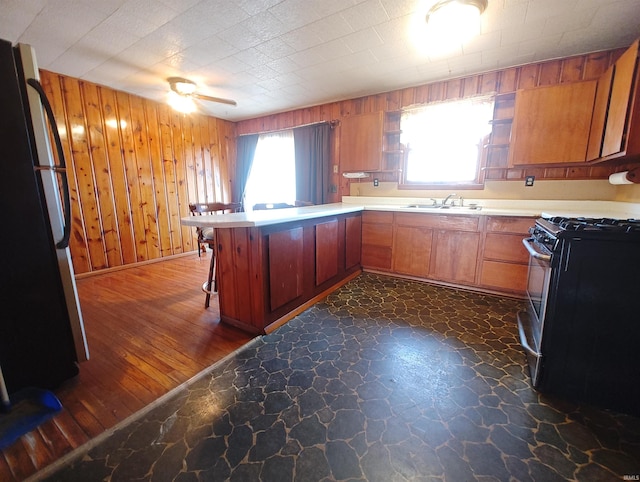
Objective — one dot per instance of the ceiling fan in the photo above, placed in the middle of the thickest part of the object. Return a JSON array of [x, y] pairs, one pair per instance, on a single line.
[[184, 91]]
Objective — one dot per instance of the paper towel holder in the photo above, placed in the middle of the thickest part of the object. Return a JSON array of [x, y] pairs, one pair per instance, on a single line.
[[631, 176]]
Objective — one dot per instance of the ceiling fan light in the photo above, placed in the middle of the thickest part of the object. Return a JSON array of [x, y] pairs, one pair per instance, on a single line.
[[181, 103], [182, 86]]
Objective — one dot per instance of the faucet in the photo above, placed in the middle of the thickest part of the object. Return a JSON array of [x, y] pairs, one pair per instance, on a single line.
[[444, 203]]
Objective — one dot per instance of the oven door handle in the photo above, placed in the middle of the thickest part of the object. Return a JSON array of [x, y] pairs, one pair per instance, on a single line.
[[535, 254]]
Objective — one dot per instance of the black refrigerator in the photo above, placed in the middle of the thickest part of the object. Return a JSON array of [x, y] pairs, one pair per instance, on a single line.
[[42, 335]]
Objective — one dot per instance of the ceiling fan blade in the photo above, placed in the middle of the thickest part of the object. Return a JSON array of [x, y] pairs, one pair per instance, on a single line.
[[214, 99]]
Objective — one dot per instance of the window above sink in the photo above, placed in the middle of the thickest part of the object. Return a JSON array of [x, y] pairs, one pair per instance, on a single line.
[[444, 143]]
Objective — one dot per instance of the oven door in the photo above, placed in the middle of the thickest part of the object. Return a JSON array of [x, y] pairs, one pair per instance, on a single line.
[[531, 321]]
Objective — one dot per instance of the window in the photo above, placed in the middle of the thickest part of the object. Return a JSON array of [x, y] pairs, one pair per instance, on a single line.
[[444, 142], [272, 178]]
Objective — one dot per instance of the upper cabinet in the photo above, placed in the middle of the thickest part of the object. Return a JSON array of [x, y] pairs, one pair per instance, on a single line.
[[599, 119], [551, 124], [361, 142], [591, 121], [616, 116]]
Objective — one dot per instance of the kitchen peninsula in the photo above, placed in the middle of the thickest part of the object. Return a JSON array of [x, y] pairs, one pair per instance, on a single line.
[[272, 264]]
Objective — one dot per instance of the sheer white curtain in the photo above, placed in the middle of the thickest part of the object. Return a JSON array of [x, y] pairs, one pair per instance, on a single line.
[[273, 173]]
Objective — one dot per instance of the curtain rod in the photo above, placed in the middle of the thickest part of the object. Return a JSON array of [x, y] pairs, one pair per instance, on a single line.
[[333, 123]]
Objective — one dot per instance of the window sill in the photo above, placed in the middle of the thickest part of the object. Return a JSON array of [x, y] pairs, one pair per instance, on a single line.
[[440, 186]]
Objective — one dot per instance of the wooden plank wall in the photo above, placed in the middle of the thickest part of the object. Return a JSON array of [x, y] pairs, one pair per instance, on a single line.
[[134, 166], [583, 67]]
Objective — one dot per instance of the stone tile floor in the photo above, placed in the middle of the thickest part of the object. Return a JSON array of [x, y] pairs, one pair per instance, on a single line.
[[387, 380]]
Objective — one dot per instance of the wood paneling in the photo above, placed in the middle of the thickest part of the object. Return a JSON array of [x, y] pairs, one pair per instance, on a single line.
[[147, 332], [134, 167]]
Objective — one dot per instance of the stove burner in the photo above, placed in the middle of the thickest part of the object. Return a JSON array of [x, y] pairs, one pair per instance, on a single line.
[[595, 224]]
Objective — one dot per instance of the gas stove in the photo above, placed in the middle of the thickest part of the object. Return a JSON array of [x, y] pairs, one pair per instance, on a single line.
[[547, 231]]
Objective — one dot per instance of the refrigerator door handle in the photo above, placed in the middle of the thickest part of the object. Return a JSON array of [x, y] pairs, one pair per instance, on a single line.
[[64, 242]]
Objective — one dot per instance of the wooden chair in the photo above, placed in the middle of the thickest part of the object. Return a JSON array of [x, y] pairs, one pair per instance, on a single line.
[[206, 237]]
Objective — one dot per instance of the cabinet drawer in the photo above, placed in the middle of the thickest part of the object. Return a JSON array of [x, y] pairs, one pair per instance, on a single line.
[[505, 247], [438, 221], [378, 217], [506, 224]]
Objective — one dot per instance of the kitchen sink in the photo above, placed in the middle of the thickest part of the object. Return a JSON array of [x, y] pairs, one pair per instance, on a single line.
[[472, 207]]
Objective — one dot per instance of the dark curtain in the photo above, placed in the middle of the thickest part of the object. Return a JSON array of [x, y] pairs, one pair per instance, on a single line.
[[312, 148], [246, 149]]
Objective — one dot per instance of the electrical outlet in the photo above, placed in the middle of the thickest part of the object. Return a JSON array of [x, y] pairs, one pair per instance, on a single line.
[[376, 183], [528, 181], [335, 169]]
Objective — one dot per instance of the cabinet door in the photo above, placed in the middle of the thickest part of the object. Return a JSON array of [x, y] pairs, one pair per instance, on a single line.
[[361, 142], [551, 124], [377, 240], [285, 266], [455, 255], [594, 150], [326, 251], [412, 251], [353, 241], [616, 125]]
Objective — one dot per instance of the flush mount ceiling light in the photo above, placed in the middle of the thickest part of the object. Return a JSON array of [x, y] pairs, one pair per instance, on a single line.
[[455, 20]]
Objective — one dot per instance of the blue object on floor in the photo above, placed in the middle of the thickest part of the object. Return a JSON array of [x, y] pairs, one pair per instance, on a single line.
[[28, 409]]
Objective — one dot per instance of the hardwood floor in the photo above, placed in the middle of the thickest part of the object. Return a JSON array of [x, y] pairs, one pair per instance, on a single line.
[[148, 332]]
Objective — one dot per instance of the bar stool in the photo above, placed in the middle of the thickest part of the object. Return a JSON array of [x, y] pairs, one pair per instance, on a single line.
[[206, 236]]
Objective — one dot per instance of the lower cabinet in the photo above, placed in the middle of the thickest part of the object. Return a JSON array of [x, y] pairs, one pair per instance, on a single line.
[[475, 251], [505, 260], [285, 266], [455, 255], [267, 273], [412, 250], [377, 239]]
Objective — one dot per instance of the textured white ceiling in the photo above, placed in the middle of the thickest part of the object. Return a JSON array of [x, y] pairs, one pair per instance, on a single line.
[[277, 55]]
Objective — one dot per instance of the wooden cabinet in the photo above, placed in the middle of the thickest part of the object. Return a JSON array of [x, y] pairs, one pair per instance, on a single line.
[[377, 240], [392, 149], [620, 98], [599, 118], [499, 141], [285, 266], [455, 252], [551, 124], [411, 245], [614, 126], [472, 251], [266, 273], [326, 251], [504, 263], [361, 142], [455, 255], [353, 241]]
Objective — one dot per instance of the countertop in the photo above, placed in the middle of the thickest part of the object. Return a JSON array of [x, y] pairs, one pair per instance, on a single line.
[[268, 217], [487, 207]]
